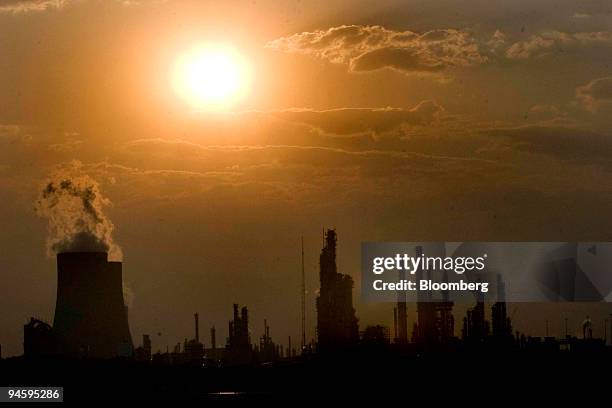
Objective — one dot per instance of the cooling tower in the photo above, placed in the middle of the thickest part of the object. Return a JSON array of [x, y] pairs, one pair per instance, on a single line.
[[90, 315]]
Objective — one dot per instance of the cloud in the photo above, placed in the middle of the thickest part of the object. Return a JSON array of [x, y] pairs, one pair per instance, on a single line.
[[26, 6], [596, 93], [295, 167], [553, 160], [213, 155], [399, 59], [547, 42], [497, 42], [565, 143], [11, 133], [68, 146], [550, 115], [545, 110], [353, 121], [370, 48]]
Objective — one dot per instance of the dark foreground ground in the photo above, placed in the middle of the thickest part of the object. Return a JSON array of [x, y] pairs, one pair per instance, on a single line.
[[478, 378]]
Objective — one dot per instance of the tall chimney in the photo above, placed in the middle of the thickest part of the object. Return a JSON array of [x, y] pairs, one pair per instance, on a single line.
[[395, 323], [265, 328], [197, 327], [213, 338], [90, 314]]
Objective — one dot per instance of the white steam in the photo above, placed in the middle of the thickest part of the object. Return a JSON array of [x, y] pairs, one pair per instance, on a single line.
[[73, 205]]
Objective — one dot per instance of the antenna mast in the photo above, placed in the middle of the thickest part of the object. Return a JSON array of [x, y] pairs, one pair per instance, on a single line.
[[303, 299]]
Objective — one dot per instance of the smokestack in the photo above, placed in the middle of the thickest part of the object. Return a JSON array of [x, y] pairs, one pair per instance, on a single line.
[[90, 314], [197, 327], [265, 328], [395, 323], [303, 299], [213, 338], [289, 348]]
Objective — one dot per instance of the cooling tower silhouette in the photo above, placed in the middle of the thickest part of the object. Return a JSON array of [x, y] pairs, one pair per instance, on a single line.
[[90, 315]]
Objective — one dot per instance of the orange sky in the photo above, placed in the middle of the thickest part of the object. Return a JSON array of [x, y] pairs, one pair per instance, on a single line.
[[389, 120]]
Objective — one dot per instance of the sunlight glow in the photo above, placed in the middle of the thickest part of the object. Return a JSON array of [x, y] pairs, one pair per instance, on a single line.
[[212, 77]]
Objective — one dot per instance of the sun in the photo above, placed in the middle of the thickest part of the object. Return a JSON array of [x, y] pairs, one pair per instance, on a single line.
[[212, 77]]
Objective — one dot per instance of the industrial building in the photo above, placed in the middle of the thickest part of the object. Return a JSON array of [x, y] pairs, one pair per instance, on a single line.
[[90, 314], [91, 322], [268, 351], [194, 349], [336, 321], [435, 323], [400, 314], [239, 350], [501, 324]]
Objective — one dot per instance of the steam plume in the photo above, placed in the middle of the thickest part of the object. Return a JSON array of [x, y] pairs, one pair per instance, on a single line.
[[73, 205]]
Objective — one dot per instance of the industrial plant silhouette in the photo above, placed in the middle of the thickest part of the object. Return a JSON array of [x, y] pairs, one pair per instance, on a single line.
[[90, 329], [90, 315]]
